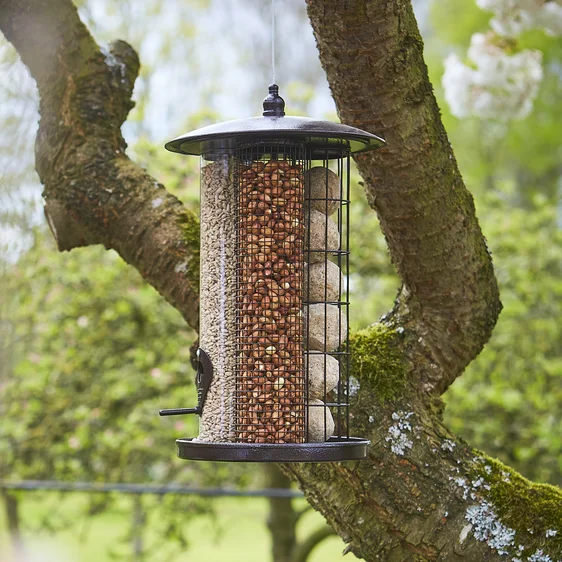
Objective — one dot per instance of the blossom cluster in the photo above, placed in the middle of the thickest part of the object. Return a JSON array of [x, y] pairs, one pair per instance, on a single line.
[[513, 17], [497, 83], [497, 86]]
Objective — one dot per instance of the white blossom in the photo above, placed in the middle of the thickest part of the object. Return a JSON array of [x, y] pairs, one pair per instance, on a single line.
[[513, 17], [550, 18], [500, 86]]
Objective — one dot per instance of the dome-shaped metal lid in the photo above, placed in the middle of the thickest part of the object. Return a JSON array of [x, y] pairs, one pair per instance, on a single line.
[[323, 138]]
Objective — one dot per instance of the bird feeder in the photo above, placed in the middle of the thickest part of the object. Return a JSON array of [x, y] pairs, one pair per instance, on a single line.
[[273, 374]]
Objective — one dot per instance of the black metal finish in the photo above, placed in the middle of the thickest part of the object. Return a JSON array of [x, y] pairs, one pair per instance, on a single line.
[[334, 402], [273, 104], [203, 379], [323, 139], [180, 411], [334, 450]]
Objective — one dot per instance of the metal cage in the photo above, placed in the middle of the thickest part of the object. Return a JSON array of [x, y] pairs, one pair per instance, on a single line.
[[274, 353], [270, 393]]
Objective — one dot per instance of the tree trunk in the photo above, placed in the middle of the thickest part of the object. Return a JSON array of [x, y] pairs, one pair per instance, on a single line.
[[421, 494], [11, 508], [282, 518], [282, 523]]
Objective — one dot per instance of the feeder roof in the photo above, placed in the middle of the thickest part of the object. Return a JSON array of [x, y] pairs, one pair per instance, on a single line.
[[323, 138]]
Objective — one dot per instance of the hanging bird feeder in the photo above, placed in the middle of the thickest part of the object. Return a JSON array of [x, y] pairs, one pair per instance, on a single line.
[[273, 380]]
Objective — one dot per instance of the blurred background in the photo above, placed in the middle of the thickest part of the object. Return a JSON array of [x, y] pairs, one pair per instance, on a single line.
[[89, 353]]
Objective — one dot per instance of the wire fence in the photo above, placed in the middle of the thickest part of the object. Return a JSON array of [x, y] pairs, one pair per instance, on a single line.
[[159, 490], [137, 491]]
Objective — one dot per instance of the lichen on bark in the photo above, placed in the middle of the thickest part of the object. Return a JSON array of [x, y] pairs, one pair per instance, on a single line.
[[533, 511]]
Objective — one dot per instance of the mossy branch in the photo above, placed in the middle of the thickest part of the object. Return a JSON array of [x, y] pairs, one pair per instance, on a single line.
[[372, 53], [190, 227], [377, 361], [533, 511]]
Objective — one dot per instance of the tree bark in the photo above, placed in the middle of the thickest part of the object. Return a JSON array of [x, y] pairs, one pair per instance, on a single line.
[[372, 53], [11, 508], [421, 494], [282, 518], [282, 523]]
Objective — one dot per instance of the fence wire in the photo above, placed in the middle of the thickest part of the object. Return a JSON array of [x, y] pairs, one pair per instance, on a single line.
[[154, 489]]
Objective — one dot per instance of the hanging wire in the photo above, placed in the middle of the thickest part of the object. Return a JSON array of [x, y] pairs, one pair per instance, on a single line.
[[273, 41]]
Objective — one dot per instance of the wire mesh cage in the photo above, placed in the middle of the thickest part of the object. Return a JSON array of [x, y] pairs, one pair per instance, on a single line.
[[270, 378], [274, 288]]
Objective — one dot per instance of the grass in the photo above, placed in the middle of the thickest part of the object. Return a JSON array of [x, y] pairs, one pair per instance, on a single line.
[[237, 534]]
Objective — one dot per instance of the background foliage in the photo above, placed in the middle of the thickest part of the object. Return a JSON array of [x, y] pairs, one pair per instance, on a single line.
[[509, 402]]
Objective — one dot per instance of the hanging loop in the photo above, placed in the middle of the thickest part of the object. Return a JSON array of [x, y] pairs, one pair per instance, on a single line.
[[273, 104]]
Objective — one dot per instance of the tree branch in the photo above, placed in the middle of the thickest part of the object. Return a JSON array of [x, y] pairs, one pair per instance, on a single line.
[[304, 548], [423, 495], [94, 193], [282, 518], [372, 53]]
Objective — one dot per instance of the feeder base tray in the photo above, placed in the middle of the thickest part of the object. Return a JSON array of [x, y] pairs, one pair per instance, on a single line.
[[335, 449]]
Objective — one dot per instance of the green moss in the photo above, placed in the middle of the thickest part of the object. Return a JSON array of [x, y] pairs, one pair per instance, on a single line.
[[189, 225], [523, 505], [377, 362]]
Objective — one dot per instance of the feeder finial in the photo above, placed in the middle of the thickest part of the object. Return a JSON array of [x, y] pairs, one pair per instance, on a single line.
[[273, 104]]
